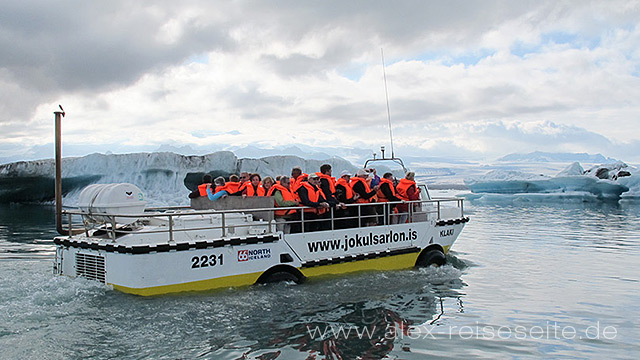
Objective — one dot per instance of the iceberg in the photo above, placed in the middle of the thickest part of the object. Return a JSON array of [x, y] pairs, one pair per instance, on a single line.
[[165, 178], [633, 183], [604, 182]]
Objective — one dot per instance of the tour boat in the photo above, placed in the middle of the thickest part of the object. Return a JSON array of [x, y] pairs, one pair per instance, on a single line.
[[170, 250], [239, 241]]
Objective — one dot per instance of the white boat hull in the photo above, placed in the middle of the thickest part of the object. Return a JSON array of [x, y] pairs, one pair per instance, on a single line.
[[203, 259]]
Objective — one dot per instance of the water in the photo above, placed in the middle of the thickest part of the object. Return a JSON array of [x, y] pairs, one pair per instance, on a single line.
[[531, 280]]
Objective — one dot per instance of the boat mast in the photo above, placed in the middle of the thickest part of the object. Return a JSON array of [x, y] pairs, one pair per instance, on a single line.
[[386, 92]]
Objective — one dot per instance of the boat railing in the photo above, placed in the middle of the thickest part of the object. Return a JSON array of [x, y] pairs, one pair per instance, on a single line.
[[297, 219]]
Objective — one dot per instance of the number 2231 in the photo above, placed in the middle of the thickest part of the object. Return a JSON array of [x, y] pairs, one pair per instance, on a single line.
[[206, 261]]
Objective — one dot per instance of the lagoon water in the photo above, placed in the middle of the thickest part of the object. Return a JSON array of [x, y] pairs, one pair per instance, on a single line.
[[547, 279]]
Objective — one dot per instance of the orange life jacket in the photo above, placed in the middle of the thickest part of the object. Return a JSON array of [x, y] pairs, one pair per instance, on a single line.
[[202, 188], [381, 197], [294, 184], [367, 189], [286, 196], [251, 191], [347, 188], [231, 187], [218, 188], [314, 195], [332, 183], [402, 188]]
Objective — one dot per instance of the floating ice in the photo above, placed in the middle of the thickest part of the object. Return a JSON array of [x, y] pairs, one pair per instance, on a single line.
[[605, 182]]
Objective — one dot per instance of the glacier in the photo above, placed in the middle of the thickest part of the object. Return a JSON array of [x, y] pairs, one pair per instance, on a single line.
[[602, 182], [165, 178]]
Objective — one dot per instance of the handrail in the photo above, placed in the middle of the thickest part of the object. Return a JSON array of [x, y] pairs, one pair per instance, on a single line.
[[214, 211], [386, 216]]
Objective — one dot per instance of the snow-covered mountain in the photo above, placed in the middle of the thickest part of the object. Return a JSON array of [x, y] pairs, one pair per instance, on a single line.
[[166, 178], [539, 156]]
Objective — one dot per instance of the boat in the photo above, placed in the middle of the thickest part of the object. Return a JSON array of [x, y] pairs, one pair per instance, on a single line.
[[113, 238]]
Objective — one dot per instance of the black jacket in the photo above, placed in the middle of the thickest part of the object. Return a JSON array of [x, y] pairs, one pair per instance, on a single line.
[[359, 188], [304, 198], [326, 191], [386, 190]]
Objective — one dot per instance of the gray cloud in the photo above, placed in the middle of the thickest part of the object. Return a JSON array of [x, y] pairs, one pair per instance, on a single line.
[[77, 44], [53, 50]]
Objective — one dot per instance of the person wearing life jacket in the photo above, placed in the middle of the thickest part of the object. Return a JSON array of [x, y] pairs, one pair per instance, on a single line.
[[217, 192], [267, 183], [284, 198], [297, 176], [346, 195], [344, 191], [310, 195], [244, 177], [407, 190], [361, 187], [253, 186], [328, 186], [201, 190], [232, 185], [243, 183], [387, 193], [366, 194]]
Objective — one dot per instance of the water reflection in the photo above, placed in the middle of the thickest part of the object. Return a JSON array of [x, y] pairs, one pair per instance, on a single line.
[[367, 329]]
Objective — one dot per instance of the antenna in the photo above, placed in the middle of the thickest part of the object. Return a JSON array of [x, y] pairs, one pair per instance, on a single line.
[[386, 92]]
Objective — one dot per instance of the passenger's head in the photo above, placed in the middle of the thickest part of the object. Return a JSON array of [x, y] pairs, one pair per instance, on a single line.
[[219, 181], [244, 176], [255, 179], [313, 179], [296, 171], [388, 176], [362, 173], [326, 169], [284, 181], [345, 174], [267, 182], [207, 179], [234, 178], [410, 175]]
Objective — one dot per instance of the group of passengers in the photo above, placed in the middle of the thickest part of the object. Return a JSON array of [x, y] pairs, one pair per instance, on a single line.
[[321, 193]]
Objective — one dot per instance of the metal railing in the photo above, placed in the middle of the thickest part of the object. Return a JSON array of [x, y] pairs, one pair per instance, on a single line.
[[351, 216]]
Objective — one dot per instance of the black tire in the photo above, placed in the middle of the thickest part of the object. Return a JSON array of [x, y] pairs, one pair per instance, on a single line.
[[280, 276], [281, 273], [431, 257]]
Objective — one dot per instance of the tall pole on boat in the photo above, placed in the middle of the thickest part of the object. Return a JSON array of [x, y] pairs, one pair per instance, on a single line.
[[58, 192], [386, 92]]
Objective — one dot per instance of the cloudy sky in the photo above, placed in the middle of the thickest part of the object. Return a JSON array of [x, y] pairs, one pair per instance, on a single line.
[[466, 79]]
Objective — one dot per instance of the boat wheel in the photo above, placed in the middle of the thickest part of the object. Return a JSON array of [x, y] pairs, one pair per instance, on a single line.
[[281, 273], [431, 257]]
